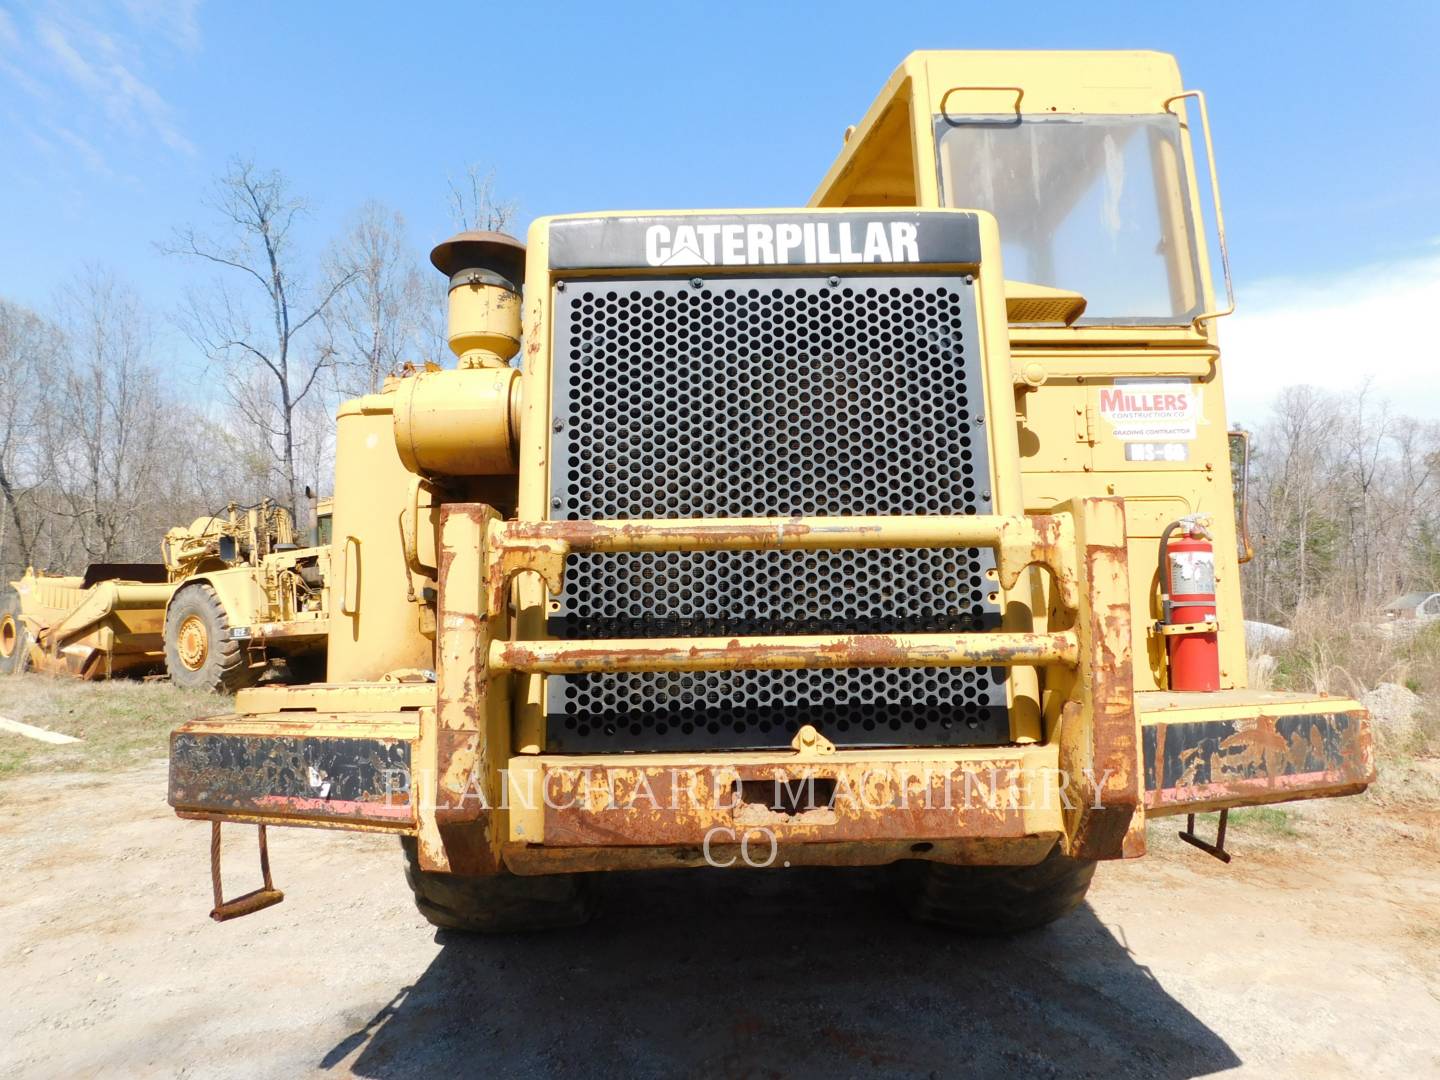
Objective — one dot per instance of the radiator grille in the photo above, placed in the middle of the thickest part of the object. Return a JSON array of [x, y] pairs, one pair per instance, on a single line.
[[772, 397]]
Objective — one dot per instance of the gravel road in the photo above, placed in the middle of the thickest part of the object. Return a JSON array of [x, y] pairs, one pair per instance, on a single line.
[[1318, 956]]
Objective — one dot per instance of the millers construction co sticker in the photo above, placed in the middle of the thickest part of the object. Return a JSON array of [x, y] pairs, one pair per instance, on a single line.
[[1151, 410]]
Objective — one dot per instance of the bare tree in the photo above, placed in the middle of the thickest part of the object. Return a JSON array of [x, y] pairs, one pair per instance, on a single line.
[[107, 433], [259, 329], [1346, 504], [29, 354], [376, 320], [474, 203]]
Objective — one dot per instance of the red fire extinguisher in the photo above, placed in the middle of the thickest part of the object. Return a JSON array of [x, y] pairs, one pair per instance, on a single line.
[[1187, 595]]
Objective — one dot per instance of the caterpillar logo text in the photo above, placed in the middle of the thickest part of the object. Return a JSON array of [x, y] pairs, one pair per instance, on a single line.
[[760, 243]]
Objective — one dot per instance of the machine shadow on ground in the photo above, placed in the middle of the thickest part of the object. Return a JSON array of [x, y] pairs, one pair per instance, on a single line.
[[781, 973]]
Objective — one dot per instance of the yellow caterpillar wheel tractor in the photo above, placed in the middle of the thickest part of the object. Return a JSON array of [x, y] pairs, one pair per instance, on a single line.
[[245, 594], [233, 592], [893, 530]]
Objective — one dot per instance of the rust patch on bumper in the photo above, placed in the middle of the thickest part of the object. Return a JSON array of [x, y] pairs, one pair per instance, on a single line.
[[760, 653], [526, 859], [869, 801]]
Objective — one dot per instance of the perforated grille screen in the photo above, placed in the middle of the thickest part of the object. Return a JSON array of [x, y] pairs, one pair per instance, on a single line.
[[759, 398]]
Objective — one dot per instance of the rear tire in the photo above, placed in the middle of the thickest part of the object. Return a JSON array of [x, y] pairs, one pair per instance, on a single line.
[[14, 638], [502, 903], [995, 900], [199, 653]]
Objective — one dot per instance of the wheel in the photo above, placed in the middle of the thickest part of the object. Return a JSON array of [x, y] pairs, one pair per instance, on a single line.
[[995, 899], [14, 638], [199, 653], [499, 904]]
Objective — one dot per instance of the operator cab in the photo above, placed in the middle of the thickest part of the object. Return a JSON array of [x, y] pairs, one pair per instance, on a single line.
[[1087, 163], [1084, 158]]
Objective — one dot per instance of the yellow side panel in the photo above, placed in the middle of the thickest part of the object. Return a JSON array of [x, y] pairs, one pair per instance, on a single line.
[[1073, 445]]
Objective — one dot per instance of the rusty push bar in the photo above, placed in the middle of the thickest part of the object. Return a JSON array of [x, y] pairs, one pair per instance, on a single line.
[[515, 547], [749, 534], [1019, 542], [471, 731], [784, 653]]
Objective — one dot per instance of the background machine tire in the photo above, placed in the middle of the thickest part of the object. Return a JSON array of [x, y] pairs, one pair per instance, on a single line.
[[995, 899], [199, 653], [499, 904], [14, 638]]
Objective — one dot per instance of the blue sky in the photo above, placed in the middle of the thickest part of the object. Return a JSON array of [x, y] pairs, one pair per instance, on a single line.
[[115, 117]]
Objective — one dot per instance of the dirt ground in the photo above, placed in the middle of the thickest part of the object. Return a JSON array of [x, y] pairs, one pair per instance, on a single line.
[[1316, 953]]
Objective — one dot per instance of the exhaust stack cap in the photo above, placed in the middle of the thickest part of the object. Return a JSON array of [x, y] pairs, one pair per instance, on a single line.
[[473, 257]]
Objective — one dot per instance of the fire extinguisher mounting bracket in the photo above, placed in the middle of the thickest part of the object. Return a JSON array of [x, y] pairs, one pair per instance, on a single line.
[[1171, 630]]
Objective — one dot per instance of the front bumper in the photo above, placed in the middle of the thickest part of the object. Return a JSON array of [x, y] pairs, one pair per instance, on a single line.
[[342, 768]]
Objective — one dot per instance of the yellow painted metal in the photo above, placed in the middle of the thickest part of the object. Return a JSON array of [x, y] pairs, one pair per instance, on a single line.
[[1168, 707], [110, 628], [484, 324], [250, 532], [1229, 307], [784, 653], [466, 739], [781, 534], [457, 422], [1019, 542], [1039, 763], [424, 505], [1067, 448], [337, 697], [1099, 739], [1026, 302], [534, 493], [380, 625], [194, 643]]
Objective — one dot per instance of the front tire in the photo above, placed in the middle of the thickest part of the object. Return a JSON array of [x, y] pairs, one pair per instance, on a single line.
[[199, 652], [502, 903], [995, 900], [14, 638]]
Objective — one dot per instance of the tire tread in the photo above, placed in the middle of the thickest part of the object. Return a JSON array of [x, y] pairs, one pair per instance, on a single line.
[[499, 904], [995, 900]]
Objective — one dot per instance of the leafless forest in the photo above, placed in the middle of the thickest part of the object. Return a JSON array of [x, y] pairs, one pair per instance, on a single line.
[[103, 447], [104, 444]]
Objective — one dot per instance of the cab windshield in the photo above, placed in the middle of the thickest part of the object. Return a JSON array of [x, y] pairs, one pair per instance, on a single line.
[[1097, 205]]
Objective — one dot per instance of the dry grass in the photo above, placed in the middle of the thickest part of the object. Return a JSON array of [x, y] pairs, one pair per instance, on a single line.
[[120, 722], [1339, 650], [1258, 824]]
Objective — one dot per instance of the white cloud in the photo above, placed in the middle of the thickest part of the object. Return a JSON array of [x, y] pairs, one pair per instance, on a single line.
[[94, 160], [1374, 323], [84, 68], [176, 19], [126, 98]]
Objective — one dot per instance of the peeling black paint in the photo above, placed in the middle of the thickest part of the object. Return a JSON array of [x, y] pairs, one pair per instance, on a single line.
[[1224, 751], [242, 772]]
